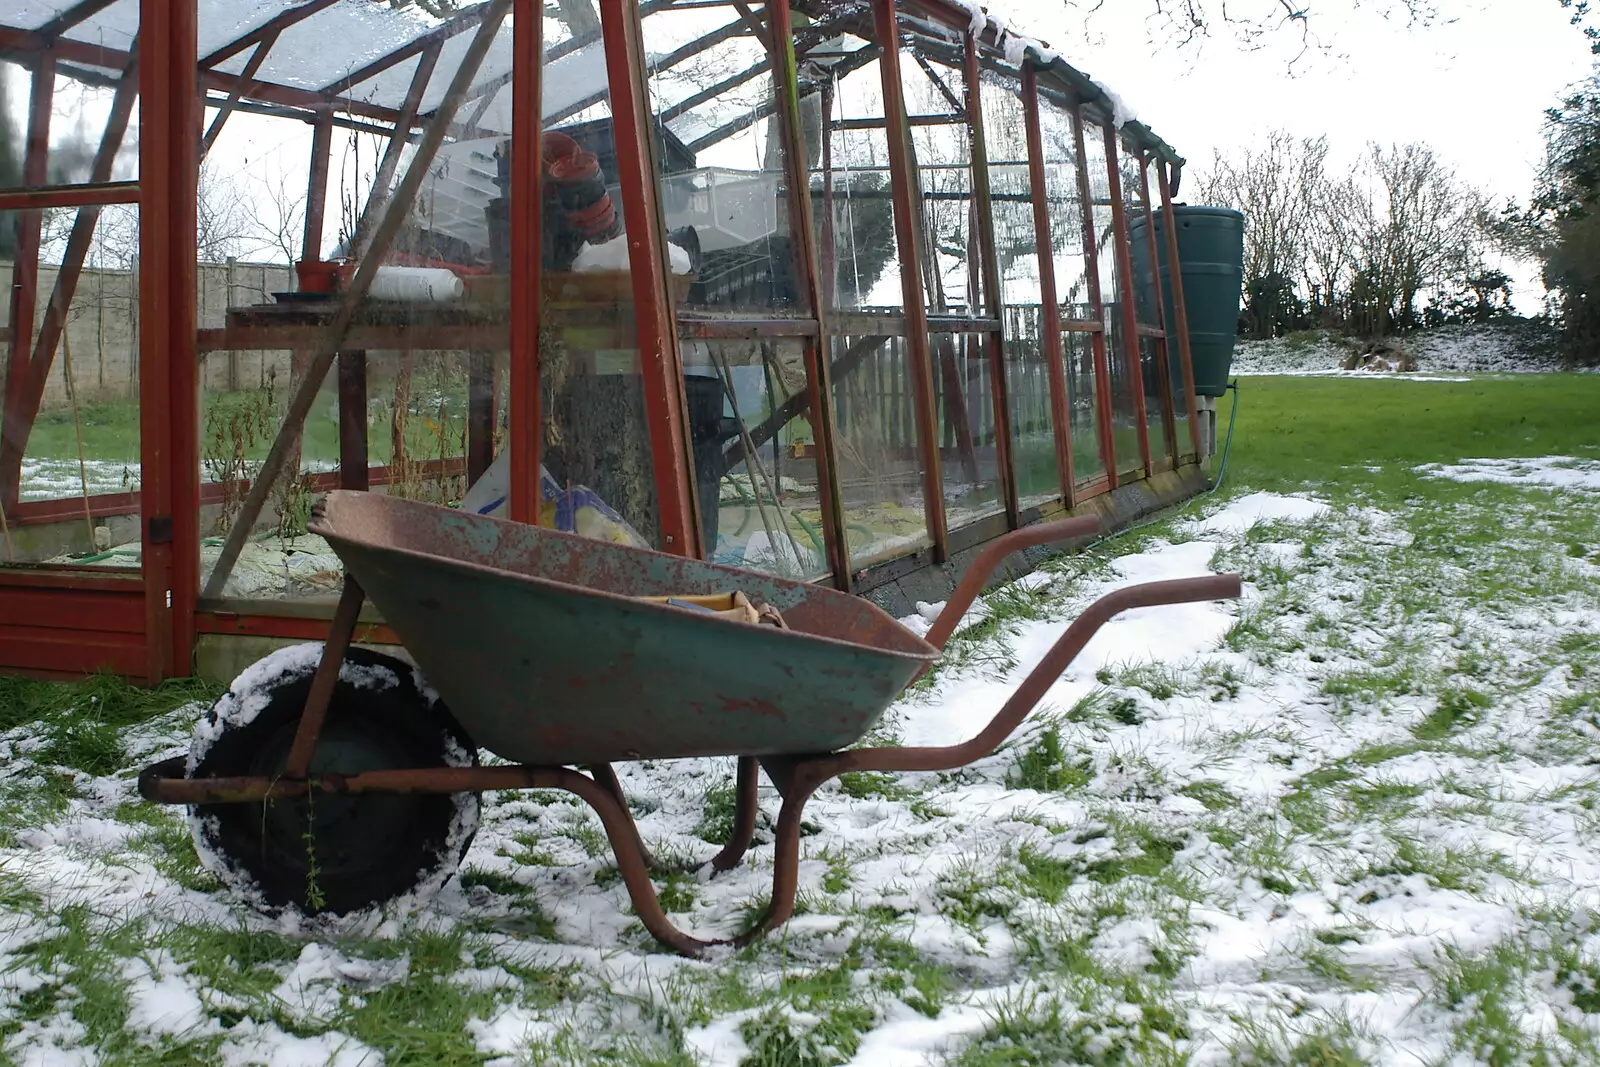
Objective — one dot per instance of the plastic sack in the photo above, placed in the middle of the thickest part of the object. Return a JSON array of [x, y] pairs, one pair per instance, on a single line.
[[577, 510]]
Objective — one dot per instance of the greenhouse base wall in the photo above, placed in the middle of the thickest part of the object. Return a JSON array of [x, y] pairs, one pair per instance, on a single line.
[[917, 579]]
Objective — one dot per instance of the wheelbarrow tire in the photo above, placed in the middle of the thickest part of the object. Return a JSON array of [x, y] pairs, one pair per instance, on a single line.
[[329, 854]]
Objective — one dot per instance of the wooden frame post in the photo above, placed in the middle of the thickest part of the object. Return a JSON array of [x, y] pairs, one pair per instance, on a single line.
[[1180, 310], [1060, 413], [659, 361], [169, 165], [1100, 338], [526, 202], [994, 298], [1130, 322], [908, 239], [1169, 421], [818, 355]]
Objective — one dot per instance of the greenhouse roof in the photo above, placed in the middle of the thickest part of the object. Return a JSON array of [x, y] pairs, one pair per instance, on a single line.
[[366, 57]]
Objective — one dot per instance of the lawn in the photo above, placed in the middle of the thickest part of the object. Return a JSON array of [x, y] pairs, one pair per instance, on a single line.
[[1354, 818]]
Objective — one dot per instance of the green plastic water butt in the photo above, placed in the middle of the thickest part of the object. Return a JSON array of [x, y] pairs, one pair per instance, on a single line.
[[1211, 251]]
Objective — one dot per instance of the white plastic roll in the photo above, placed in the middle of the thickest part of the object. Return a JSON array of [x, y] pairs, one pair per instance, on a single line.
[[417, 285]]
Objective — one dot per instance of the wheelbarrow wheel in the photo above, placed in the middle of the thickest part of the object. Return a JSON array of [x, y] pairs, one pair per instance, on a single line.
[[330, 854]]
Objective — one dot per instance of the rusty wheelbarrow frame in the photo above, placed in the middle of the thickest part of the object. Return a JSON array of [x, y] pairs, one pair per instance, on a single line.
[[796, 777]]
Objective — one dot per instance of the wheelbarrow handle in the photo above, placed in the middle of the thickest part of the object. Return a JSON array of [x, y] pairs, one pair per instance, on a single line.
[[977, 575], [1033, 687]]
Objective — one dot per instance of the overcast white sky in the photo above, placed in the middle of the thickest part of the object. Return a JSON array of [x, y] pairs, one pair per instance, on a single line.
[[1475, 88]]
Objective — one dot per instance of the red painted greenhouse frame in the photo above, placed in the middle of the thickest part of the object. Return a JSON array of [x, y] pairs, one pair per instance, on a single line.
[[59, 619]]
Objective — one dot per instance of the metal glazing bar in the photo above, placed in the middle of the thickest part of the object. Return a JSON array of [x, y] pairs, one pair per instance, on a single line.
[[169, 164], [527, 29], [914, 120], [317, 186], [55, 196]]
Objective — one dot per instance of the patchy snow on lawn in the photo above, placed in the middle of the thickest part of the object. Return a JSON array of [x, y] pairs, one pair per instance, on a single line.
[[1556, 472], [1353, 815], [1247, 511]]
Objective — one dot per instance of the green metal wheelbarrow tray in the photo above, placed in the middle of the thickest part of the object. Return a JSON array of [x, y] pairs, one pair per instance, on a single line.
[[536, 643]]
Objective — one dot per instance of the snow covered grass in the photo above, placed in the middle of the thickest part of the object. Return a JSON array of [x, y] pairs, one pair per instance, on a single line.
[[1518, 347], [1350, 819]]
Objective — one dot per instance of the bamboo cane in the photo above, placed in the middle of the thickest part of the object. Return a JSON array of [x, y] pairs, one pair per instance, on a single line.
[[77, 431]]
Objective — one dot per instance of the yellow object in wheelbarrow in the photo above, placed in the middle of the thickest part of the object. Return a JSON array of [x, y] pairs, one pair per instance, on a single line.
[[734, 606]]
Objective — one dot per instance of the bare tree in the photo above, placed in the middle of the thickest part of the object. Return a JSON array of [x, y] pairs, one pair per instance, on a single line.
[[222, 214], [275, 221], [1278, 186], [1331, 247], [1252, 23], [1420, 228]]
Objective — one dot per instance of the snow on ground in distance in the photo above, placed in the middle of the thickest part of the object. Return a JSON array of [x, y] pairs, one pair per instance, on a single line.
[[1556, 472], [1356, 810], [1440, 353]]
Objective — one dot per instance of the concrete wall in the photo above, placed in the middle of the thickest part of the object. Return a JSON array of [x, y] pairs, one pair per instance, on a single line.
[[103, 329]]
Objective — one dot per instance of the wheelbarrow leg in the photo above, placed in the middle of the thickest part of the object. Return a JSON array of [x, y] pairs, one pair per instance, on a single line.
[[624, 838], [340, 634], [607, 779], [744, 817]]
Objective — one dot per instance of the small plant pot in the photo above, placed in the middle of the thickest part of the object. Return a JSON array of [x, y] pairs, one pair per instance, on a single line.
[[315, 277]]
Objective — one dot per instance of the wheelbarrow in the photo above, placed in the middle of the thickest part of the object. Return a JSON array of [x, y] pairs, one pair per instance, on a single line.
[[331, 778]]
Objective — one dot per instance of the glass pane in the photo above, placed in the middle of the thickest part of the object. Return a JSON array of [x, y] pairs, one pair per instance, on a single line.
[[935, 91], [69, 467], [1027, 375], [1121, 359], [851, 188], [93, 133], [755, 455], [1078, 351], [719, 148], [1150, 359], [880, 472], [1180, 400], [420, 378], [1033, 449], [1065, 202], [1139, 237], [964, 388]]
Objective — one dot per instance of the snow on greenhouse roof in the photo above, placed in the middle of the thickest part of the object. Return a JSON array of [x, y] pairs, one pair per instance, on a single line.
[[366, 53]]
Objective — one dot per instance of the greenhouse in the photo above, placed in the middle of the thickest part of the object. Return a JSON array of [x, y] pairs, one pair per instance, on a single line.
[[837, 290]]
